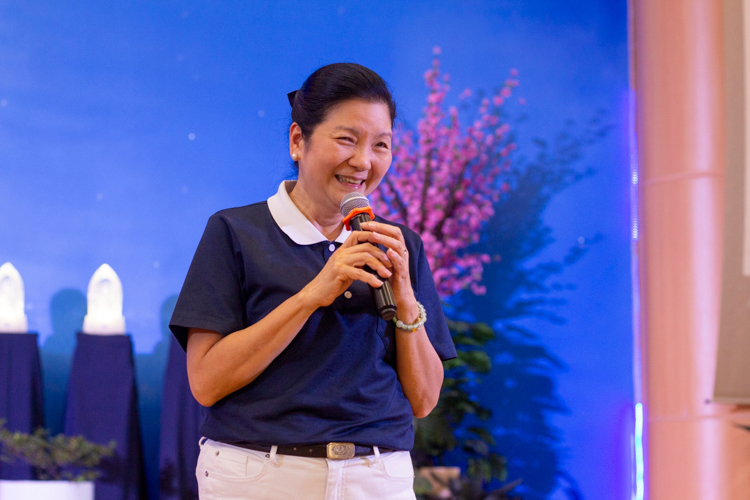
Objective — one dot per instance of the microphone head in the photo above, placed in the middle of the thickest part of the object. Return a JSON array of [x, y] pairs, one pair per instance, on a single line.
[[353, 201]]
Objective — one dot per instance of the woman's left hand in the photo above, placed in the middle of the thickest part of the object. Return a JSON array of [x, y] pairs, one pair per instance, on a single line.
[[391, 237], [418, 365]]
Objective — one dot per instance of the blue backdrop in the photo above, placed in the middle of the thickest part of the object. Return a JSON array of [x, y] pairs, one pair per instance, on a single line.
[[124, 125]]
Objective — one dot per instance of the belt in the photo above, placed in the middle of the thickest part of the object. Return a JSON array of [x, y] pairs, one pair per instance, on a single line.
[[333, 451]]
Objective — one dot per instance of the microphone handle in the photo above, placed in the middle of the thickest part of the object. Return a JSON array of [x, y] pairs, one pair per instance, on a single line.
[[385, 302]]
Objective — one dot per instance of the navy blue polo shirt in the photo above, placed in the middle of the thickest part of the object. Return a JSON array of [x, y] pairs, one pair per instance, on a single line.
[[336, 381]]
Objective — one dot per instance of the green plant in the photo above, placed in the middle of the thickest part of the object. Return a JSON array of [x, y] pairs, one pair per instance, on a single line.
[[55, 458], [435, 435]]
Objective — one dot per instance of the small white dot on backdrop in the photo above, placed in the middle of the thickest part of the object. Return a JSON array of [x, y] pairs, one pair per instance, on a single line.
[[581, 240], [184, 189], [3, 102], [341, 10], [180, 57], [191, 136], [156, 264], [185, 14], [99, 196], [196, 77], [261, 113]]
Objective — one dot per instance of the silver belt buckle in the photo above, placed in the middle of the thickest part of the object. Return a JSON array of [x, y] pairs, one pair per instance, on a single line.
[[340, 451]]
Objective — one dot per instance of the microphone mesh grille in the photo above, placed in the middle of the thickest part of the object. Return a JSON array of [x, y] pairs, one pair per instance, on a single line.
[[352, 201]]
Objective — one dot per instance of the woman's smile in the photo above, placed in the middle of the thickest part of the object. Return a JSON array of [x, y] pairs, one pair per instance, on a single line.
[[350, 181]]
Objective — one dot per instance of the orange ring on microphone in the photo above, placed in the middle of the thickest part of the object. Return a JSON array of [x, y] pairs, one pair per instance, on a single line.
[[356, 212]]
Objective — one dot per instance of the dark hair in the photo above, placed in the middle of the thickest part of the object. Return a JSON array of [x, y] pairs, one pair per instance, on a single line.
[[331, 85]]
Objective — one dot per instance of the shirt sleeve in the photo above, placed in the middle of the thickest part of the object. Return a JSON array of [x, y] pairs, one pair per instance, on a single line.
[[212, 295], [436, 326]]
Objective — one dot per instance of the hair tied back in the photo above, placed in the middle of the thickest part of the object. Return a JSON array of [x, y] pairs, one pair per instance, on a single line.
[[291, 95]]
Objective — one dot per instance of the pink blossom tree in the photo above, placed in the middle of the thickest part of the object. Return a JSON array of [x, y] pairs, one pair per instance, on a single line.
[[446, 178]]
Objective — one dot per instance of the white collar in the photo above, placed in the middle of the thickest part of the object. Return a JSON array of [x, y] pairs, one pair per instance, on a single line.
[[293, 222]]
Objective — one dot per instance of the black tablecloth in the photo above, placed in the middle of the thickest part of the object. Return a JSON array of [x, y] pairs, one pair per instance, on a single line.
[[102, 406], [20, 392], [181, 417]]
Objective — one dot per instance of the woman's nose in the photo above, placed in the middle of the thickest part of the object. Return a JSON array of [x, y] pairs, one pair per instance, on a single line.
[[361, 159]]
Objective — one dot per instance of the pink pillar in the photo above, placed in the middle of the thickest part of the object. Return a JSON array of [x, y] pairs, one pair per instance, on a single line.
[[694, 452]]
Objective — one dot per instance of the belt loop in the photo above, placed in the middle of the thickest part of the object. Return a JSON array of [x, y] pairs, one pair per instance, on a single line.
[[272, 455], [376, 450], [202, 441]]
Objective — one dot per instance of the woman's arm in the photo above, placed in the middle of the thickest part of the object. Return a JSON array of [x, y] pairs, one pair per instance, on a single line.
[[217, 366], [418, 365], [420, 370]]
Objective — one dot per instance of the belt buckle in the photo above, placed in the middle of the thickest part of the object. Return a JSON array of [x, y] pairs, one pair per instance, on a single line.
[[340, 451]]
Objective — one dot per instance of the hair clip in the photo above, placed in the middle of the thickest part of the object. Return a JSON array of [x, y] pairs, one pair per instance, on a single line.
[[291, 95]]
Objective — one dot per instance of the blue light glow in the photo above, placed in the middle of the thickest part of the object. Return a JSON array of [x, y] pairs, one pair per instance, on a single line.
[[638, 433], [638, 452]]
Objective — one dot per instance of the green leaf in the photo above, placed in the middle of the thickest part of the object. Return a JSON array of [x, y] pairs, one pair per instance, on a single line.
[[477, 361], [484, 434], [499, 466], [55, 458], [460, 340], [476, 446], [482, 332]]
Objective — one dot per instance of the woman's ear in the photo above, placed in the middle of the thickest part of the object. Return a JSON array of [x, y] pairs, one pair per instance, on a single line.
[[296, 142]]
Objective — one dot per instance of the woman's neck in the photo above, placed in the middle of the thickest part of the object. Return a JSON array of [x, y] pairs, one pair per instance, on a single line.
[[329, 224]]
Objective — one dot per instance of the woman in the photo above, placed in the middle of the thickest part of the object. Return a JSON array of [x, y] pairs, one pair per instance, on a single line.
[[310, 394]]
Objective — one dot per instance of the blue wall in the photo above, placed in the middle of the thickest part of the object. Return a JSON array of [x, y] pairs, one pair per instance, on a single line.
[[97, 101]]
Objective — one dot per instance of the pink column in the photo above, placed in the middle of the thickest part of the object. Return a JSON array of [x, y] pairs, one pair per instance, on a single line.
[[693, 449]]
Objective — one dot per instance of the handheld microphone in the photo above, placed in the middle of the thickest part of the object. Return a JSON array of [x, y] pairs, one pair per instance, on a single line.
[[355, 208]]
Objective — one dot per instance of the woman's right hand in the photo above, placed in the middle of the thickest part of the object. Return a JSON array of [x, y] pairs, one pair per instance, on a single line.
[[345, 265]]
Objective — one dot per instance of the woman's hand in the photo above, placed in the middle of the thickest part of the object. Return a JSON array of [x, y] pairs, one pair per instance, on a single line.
[[345, 265], [418, 365], [393, 239]]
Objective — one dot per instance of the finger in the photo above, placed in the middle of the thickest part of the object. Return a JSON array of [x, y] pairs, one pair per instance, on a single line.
[[355, 238], [390, 242], [362, 275], [370, 249], [400, 261], [387, 229], [365, 259]]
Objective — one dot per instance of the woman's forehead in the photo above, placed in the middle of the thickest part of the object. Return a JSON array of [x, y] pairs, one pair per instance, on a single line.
[[357, 114], [358, 131]]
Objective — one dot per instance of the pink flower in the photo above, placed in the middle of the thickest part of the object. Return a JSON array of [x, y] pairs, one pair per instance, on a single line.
[[445, 181]]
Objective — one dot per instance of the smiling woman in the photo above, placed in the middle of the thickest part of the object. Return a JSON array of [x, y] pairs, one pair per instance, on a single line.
[[308, 388], [350, 151]]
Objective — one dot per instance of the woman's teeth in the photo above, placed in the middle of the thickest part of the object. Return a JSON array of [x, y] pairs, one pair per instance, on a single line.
[[348, 180]]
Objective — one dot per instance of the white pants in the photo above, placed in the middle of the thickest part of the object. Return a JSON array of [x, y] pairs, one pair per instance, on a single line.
[[227, 472]]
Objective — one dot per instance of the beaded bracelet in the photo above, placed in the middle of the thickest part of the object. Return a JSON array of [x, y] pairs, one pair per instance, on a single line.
[[416, 326]]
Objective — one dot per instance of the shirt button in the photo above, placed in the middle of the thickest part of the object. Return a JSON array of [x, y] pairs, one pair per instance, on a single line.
[[348, 294], [331, 247]]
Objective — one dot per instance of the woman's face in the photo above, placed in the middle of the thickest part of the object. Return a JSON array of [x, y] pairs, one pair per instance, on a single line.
[[349, 151]]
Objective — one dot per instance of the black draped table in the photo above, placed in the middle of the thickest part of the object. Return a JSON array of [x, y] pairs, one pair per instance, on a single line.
[[20, 392], [102, 406], [181, 416]]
